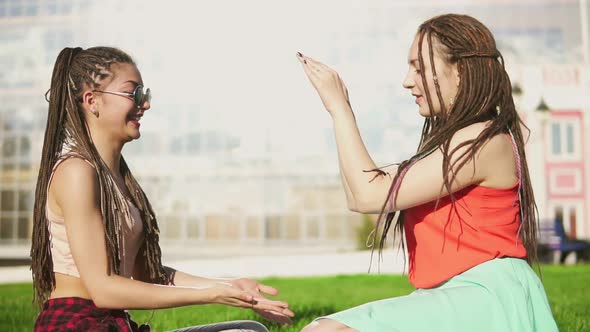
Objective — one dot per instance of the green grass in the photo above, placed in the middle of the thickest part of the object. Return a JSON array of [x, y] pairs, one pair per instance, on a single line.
[[568, 289]]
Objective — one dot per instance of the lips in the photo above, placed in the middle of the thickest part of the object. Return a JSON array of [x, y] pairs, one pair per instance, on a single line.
[[134, 120], [418, 99]]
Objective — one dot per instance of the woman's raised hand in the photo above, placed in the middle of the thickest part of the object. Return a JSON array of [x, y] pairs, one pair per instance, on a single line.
[[328, 84]]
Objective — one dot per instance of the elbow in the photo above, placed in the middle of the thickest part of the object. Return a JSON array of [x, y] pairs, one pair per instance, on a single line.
[[351, 205], [106, 301], [100, 295], [101, 301], [361, 209], [368, 207], [355, 207]]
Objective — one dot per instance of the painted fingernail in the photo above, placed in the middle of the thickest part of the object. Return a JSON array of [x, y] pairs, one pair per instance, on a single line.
[[305, 61], [299, 54]]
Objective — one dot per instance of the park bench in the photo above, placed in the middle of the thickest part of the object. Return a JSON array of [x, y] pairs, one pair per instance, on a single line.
[[554, 242]]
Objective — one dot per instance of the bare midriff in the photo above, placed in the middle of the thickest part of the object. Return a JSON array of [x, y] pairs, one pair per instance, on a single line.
[[69, 286]]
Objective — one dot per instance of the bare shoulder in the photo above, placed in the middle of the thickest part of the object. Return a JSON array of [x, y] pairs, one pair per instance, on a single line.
[[494, 162], [74, 180], [74, 170], [468, 133], [498, 144]]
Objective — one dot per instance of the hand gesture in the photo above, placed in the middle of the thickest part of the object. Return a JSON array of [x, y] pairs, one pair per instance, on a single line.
[[227, 294], [327, 82], [254, 288]]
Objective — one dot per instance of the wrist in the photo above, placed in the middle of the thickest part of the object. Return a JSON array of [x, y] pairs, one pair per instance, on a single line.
[[225, 282], [339, 109], [342, 114], [206, 295]]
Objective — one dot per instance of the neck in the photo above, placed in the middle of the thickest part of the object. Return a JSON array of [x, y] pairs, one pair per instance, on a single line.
[[108, 149]]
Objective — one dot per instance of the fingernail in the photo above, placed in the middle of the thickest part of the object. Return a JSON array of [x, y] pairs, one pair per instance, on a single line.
[[299, 54], [305, 61]]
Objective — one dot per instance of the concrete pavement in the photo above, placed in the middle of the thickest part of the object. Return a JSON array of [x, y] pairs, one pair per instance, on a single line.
[[289, 264]]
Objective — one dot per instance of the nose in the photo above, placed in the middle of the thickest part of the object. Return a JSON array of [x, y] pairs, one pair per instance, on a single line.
[[145, 106], [408, 82]]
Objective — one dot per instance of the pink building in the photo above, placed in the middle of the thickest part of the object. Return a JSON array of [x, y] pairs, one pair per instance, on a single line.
[[565, 166], [556, 106]]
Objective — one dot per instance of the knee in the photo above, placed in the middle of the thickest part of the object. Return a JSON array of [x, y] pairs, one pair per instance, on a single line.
[[319, 326], [327, 325], [312, 327]]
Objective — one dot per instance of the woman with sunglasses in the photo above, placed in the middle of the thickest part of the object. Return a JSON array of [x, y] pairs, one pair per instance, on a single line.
[[95, 248]]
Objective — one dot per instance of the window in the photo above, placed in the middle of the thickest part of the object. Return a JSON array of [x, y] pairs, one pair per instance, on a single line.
[[6, 228], [7, 201], [570, 138], [193, 228], [193, 143], [15, 9], [9, 147], [556, 138], [23, 228], [25, 201], [25, 146], [273, 228], [312, 227], [16, 208], [565, 139], [54, 40]]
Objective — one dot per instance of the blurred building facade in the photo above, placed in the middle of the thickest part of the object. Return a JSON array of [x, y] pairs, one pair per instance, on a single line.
[[212, 182], [31, 34], [559, 143]]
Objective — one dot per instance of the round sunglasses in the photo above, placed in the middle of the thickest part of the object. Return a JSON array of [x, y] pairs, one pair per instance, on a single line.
[[139, 96]]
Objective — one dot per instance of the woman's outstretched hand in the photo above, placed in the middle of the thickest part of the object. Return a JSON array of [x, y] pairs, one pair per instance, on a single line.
[[227, 294], [280, 314], [327, 82]]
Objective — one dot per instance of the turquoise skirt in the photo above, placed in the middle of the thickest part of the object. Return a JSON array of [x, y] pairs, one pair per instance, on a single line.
[[500, 295]]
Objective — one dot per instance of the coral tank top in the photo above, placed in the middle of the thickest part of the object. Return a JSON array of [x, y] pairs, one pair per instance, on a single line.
[[443, 241]]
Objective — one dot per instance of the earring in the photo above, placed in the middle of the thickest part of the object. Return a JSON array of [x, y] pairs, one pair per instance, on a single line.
[[94, 111]]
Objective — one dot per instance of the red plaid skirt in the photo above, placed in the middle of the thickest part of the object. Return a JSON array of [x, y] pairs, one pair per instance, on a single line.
[[77, 314]]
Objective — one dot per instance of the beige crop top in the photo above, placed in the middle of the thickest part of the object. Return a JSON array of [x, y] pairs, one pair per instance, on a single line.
[[63, 262]]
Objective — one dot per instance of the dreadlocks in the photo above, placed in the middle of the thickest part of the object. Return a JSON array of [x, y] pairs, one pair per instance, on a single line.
[[76, 70], [484, 93]]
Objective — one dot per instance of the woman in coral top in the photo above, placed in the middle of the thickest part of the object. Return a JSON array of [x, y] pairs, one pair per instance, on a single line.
[[464, 201]]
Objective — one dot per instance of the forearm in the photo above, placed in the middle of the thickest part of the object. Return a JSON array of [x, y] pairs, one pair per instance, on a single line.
[[368, 190], [353, 156], [118, 292], [350, 200], [184, 279]]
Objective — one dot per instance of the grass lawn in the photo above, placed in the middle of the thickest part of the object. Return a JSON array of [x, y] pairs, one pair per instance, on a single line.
[[568, 289]]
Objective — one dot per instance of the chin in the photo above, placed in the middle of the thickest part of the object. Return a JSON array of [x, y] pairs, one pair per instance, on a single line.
[[132, 137], [425, 112]]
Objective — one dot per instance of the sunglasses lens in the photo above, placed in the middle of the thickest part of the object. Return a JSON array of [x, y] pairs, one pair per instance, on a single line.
[[148, 95], [138, 95]]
